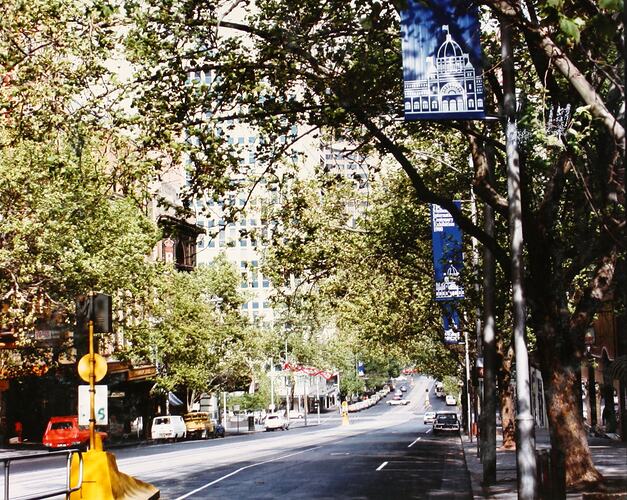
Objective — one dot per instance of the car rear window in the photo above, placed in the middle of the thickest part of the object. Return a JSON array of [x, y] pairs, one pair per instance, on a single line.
[[57, 426], [447, 418], [162, 421]]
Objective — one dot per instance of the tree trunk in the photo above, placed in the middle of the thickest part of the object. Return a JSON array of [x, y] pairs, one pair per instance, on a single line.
[[568, 435], [506, 395]]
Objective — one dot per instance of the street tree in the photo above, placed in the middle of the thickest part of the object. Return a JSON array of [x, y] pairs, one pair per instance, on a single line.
[[57, 240], [192, 329]]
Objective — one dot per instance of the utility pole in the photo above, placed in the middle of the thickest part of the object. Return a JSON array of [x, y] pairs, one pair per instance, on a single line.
[[318, 396], [306, 396], [224, 408], [525, 447], [475, 262], [272, 383]]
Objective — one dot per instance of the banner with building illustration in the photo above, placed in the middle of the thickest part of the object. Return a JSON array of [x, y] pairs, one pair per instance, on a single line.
[[446, 238], [442, 70], [448, 262]]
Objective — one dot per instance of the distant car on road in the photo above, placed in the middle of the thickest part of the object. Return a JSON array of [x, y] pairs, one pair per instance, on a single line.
[[63, 432], [429, 417], [450, 400], [274, 422], [398, 400], [403, 388], [439, 389], [445, 422]]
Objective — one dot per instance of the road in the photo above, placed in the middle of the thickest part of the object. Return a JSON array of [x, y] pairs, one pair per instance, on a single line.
[[385, 452]]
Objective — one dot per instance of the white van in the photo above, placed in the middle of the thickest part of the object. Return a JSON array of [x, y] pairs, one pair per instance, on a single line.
[[169, 427], [439, 389]]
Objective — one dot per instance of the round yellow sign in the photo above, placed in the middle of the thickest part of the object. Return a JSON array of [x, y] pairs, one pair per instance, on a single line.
[[100, 367]]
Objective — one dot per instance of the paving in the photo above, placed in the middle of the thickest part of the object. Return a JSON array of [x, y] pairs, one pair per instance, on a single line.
[[609, 456]]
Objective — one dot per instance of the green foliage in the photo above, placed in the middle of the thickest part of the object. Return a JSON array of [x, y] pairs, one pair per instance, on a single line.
[[57, 240], [195, 341], [451, 385]]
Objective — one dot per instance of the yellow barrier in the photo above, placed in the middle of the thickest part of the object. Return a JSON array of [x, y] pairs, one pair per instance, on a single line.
[[103, 481]]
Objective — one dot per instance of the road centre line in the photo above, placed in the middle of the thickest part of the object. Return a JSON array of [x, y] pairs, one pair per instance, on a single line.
[[244, 468], [414, 442], [382, 465]]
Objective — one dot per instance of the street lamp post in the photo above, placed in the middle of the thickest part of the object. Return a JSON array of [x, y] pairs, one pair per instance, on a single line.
[[525, 448], [272, 384]]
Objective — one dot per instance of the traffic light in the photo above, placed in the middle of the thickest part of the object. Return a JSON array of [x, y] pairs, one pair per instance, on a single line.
[[98, 308], [81, 331], [102, 313]]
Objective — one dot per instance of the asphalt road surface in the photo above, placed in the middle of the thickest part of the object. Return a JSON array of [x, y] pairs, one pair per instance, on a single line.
[[385, 452]]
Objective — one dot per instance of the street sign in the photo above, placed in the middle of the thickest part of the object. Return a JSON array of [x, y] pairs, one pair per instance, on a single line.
[[100, 367], [101, 405]]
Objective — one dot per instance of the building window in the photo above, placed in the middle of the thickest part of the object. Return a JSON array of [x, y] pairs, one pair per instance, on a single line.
[[243, 242]]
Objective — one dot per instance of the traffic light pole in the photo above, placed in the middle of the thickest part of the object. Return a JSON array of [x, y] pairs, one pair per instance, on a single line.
[[92, 388]]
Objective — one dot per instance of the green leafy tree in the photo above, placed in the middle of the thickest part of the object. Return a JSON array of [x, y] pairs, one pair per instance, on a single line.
[[57, 240], [193, 331]]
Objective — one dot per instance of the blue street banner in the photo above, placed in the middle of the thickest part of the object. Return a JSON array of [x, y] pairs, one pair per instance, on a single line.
[[447, 254], [442, 70], [361, 369], [450, 322]]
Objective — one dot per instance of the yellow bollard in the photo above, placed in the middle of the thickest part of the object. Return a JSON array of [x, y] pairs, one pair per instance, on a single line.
[[345, 418], [103, 481]]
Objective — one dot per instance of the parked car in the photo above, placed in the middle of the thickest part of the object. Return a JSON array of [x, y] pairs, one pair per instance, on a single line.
[[169, 427], [403, 388], [274, 422], [219, 430], [446, 422], [397, 400], [450, 400], [62, 432], [199, 425], [429, 417]]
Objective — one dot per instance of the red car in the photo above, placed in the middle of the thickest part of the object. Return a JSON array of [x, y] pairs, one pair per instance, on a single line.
[[62, 432]]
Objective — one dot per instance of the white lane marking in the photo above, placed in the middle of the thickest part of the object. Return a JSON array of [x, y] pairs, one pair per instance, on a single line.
[[382, 465], [428, 431], [414, 442], [244, 468]]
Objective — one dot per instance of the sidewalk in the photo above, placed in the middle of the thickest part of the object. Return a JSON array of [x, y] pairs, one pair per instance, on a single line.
[[609, 456]]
